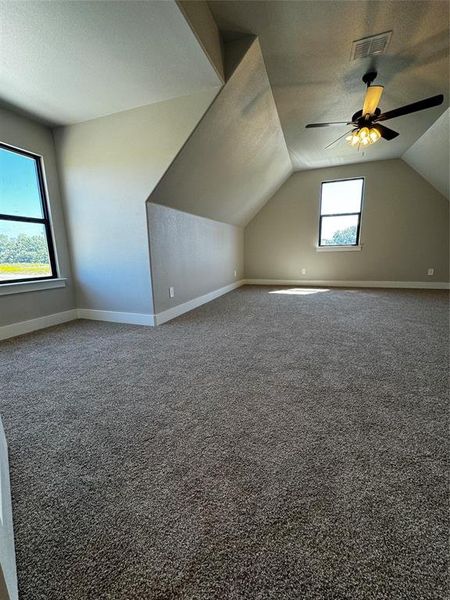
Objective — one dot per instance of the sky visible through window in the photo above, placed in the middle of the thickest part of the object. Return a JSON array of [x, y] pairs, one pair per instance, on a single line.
[[339, 198], [19, 187], [23, 245]]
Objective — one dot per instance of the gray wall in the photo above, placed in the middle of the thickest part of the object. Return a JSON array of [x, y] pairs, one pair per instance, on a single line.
[[24, 133], [109, 166], [193, 254], [404, 229], [430, 154]]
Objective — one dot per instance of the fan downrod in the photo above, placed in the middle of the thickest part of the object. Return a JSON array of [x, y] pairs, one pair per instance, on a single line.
[[369, 77]]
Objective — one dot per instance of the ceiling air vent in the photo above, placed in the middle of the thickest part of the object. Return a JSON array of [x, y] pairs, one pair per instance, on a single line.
[[371, 46]]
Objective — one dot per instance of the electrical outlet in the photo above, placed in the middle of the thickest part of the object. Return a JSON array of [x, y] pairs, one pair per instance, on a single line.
[[171, 292], [430, 271], [303, 271], [235, 274]]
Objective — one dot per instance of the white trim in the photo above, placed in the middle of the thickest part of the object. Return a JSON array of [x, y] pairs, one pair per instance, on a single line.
[[19, 287], [15, 329], [113, 316], [176, 311], [427, 285], [159, 318], [8, 331], [8, 573], [338, 248]]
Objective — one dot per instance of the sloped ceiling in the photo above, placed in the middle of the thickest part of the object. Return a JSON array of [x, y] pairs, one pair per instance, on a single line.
[[199, 17], [306, 48], [67, 62], [237, 157], [429, 155]]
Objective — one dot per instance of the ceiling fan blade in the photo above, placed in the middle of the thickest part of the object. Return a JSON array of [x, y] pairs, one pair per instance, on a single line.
[[410, 108], [385, 132], [372, 99], [328, 124], [337, 139]]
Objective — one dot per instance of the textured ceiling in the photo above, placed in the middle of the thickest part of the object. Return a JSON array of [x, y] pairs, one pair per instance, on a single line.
[[67, 62], [430, 155], [306, 48], [237, 157]]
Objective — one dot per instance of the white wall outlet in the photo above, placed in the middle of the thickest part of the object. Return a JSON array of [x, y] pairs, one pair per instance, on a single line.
[[430, 271], [171, 292], [235, 273], [303, 271]]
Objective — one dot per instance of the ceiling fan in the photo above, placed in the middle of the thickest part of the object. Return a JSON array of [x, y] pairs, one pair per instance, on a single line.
[[366, 122]]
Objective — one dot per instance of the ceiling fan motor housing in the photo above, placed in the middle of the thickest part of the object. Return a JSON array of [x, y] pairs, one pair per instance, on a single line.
[[358, 117]]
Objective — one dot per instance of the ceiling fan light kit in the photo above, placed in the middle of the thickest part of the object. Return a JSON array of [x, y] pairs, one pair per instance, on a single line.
[[368, 130], [363, 136]]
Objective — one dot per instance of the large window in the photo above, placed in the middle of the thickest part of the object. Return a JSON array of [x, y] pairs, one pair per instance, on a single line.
[[340, 212], [26, 248]]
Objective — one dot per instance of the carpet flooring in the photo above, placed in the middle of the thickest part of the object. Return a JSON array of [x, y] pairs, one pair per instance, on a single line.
[[264, 446]]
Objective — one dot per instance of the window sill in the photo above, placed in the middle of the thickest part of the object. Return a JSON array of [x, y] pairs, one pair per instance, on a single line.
[[31, 286], [338, 248]]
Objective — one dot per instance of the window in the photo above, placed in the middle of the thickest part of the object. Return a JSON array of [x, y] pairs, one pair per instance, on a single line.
[[26, 248], [340, 212]]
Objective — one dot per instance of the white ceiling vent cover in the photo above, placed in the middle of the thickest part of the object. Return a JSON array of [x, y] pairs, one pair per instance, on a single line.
[[371, 46]]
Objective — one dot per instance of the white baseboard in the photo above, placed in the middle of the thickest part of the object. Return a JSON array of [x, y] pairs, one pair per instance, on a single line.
[[158, 318], [176, 311], [8, 331], [113, 316], [15, 329], [425, 285]]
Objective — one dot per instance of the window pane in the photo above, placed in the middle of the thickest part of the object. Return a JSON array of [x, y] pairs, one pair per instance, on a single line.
[[339, 231], [19, 185], [23, 251], [341, 196]]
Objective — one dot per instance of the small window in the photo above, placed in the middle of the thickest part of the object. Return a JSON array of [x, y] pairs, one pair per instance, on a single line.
[[26, 248], [340, 212]]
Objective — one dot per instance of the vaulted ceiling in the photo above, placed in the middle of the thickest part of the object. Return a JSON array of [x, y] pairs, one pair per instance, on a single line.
[[306, 48], [430, 154], [108, 57], [66, 62], [236, 158]]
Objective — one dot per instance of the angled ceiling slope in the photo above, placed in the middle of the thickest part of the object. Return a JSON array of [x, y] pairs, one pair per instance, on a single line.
[[68, 62], [199, 16], [430, 155], [237, 157], [307, 49]]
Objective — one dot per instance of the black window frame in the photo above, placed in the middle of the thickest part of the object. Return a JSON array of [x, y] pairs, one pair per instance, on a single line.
[[350, 214], [45, 220]]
